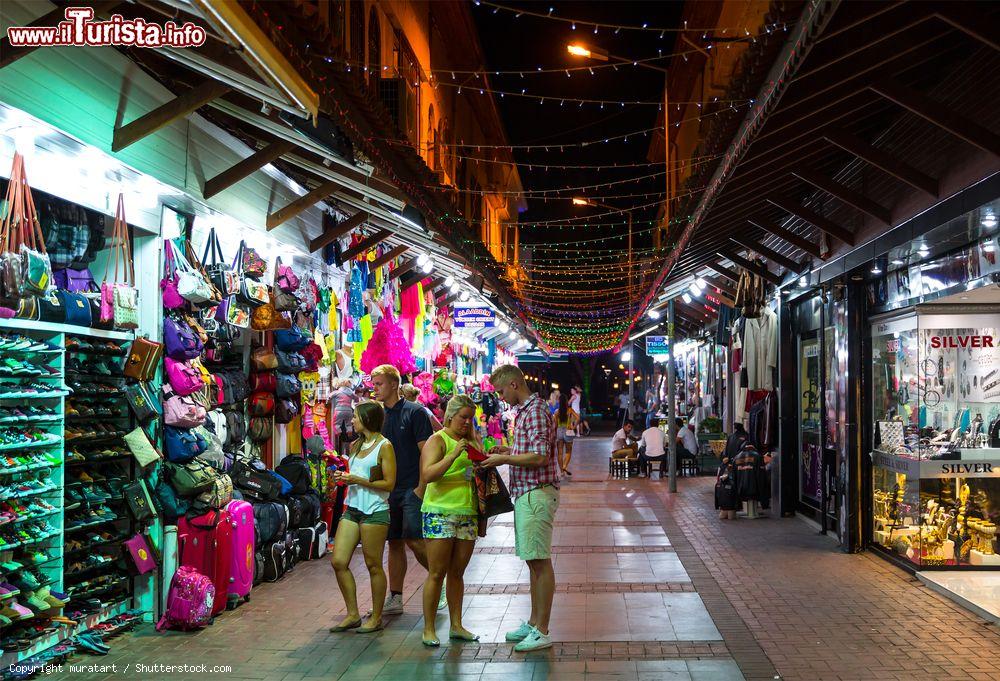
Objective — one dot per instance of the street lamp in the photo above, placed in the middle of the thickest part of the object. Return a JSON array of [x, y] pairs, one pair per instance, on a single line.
[[590, 52]]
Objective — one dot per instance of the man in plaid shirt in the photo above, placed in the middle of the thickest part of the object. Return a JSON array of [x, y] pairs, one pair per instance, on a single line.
[[534, 484]]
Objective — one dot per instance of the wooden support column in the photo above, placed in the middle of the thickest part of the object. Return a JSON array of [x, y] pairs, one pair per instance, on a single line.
[[300, 204], [901, 171], [800, 242], [825, 224], [388, 257], [10, 54], [940, 115], [365, 245], [843, 193], [164, 115], [251, 164], [335, 232], [770, 254]]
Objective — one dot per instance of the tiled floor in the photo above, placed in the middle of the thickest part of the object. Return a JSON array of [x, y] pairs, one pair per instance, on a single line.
[[650, 587]]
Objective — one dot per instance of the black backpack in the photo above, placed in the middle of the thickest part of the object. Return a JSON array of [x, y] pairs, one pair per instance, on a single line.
[[236, 425], [295, 470]]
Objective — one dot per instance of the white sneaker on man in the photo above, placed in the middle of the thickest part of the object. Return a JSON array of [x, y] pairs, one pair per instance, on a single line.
[[520, 633], [393, 605], [443, 598], [536, 640]]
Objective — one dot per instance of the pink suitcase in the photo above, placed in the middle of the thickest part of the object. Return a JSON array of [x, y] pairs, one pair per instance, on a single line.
[[241, 574], [205, 543]]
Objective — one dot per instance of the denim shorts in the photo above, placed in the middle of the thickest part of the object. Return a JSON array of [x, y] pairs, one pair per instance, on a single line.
[[356, 516], [405, 519]]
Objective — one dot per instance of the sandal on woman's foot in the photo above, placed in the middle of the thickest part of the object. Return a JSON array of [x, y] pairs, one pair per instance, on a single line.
[[431, 642], [370, 628], [344, 627], [463, 636]]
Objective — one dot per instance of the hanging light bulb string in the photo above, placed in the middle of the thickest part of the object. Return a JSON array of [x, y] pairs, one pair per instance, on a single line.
[[615, 28], [533, 165]]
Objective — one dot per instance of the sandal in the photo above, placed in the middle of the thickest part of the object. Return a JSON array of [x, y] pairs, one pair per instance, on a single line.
[[369, 629], [344, 627], [431, 642], [456, 636]]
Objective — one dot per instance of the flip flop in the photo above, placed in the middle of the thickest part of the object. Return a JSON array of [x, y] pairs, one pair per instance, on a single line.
[[370, 630], [431, 643], [344, 627], [463, 637]]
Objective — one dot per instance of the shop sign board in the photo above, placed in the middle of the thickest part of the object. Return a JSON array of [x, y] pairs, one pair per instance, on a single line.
[[474, 317], [965, 467], [657, 345]]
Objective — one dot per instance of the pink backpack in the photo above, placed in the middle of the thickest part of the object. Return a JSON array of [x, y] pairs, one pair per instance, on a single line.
[[189, 601], [184, 377]]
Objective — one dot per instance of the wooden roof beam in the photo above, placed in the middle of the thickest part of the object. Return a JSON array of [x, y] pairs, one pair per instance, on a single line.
[[770, 254], [939, 115], [845, 194], [403, 269], [811, 216], [885, 162], [248, 166], [167, 113], [724, 271], [300, 204], [752, 267], [366, 244], [334, 232], [972, 23], [800, 242], [388, 257]]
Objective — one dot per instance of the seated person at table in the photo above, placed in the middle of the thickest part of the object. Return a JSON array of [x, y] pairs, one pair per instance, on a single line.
[[687, 442], [622, 445], [652, 449]]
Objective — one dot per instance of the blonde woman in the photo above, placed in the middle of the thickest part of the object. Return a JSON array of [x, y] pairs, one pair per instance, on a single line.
[[450, 514], [366, 516]]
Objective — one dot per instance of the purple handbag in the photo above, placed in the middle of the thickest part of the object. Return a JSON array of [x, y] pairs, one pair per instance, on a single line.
[[172, 300], [180, 341], [75, 280], [143, 558]]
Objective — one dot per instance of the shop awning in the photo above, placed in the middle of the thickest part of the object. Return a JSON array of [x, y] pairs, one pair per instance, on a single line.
[[872, 113]]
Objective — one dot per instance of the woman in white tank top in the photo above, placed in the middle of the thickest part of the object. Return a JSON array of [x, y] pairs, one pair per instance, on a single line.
[[366, 516]]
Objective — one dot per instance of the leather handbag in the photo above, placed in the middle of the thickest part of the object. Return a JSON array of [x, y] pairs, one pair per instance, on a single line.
[[261, 404], [221, 274], [51, 309], [144, 452], [77, 308], [120, 299], [140, 504], [282, 300], [268, 318], [142, 402], [264, 359], [143, 358]]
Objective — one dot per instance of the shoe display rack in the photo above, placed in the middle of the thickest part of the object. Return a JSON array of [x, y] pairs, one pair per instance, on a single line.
[[98, 465], [51, 586]]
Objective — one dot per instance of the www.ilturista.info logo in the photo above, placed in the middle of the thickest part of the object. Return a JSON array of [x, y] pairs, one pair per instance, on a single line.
[[80, 29]]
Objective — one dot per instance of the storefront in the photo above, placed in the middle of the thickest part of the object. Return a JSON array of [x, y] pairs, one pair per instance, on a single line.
[[935, 402]]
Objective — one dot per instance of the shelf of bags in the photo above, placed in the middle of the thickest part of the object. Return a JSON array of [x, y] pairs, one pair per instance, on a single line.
[[50, 442], [50, 327], [46, 641]]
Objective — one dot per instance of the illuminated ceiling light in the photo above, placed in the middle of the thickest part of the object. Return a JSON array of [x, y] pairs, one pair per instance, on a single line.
[[803, 281], [427, 267], [701, 282], [503, 326], [581, 50], [626, 356], [449, 280], [990, 220], [422, 259], [989, 246], [876, 269], [686, 298], [579, 201], [454, 288], [464, 297], [897, 262], [653, 314]]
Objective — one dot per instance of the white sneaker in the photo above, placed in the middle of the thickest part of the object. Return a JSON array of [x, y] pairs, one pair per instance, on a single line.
[[393, 605], [520, 633], [536, 640], [443, 598]]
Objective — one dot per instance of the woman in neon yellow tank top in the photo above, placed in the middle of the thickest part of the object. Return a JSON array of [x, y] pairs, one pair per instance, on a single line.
[[450, 514]]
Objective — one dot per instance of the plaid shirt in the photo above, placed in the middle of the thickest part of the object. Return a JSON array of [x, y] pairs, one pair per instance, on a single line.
[[534, 431]]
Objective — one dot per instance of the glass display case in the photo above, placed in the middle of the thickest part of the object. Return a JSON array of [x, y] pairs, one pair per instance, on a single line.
[[936, 435]]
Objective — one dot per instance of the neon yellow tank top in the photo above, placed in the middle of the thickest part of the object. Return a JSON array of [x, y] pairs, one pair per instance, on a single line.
[[452, 494]]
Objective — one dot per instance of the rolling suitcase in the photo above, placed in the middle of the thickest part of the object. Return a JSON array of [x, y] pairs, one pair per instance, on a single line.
[[242, 568], [205, 543]]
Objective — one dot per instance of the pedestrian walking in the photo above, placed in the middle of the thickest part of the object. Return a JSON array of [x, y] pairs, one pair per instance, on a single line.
[[566, 422], [366, 516], [534, 484], [407, 427], [450, 515]]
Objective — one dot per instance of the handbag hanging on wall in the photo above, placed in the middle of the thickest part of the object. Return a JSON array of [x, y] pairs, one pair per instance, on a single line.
[[25, 270], [120, 300]]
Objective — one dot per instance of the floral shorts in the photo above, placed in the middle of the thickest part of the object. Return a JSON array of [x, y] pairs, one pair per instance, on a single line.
[[447, 526]]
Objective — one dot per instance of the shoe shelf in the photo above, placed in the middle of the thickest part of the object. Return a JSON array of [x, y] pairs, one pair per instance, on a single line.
[[63, 631], [49, 442]]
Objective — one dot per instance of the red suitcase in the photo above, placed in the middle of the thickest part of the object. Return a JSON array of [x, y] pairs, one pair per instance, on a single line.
[[241, 572], [205, 543]]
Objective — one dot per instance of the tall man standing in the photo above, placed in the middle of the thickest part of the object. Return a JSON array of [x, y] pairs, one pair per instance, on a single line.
[[534, 484], [407, 427]]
